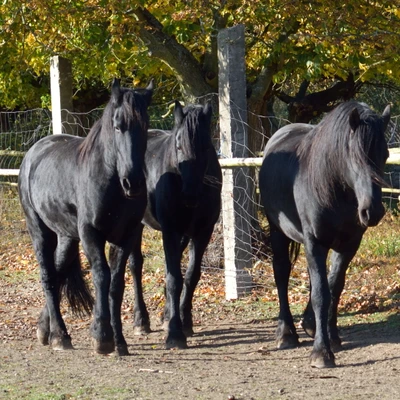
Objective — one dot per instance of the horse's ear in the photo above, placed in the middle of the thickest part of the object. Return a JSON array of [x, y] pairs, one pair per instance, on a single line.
[[178, 113], [208, 110], [149, 91], [115, 89], [386, 116], [150, 86], [354, 119]]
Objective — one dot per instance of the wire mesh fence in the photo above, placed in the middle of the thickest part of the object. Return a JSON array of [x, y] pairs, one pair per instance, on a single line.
[[20, 130]]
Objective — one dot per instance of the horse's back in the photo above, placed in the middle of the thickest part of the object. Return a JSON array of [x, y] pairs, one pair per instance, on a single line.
[[158, 139], [51, 149], [46, 180], [287, 138], [278, 174]]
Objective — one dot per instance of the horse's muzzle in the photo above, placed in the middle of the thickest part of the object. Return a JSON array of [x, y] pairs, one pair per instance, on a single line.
[[133, 190], [190, 201], [371, 216]]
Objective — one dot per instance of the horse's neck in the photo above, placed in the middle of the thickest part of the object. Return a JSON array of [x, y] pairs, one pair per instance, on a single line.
[[101, 156], [167, 153]]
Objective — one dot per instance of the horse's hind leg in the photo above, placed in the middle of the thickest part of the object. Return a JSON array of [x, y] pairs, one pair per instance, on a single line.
[[69, 277], [141, 320], [51, 327], [286, 335], [62, 256], [197, 248]]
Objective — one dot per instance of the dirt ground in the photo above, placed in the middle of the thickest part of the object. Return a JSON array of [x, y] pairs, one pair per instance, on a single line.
[[231, 356]]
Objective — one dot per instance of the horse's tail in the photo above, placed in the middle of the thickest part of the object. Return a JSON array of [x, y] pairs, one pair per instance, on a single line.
[[294, 251], [76, 290]]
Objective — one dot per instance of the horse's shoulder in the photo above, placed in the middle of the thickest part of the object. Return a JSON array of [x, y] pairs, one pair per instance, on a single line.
[[156, 133]]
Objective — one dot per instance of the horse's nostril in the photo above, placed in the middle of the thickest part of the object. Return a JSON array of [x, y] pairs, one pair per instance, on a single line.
[[126, 184], [364, 216]]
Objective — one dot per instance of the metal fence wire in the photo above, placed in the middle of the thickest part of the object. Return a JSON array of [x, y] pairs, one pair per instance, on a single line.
[[20, 130]]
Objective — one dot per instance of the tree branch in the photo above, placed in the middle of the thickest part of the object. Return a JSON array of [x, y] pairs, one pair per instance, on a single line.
[[188, 70]]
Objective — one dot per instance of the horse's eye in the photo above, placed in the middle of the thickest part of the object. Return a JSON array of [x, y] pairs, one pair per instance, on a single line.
[[117, 129]]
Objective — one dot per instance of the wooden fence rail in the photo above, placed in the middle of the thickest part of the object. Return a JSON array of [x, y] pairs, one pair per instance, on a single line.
[[394, 159]]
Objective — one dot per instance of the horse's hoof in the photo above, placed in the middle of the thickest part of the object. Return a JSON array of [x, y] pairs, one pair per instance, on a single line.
[[103, 347], [61, 343], [122, 350], [141, 330], [287, 342], [188, 331], [165, 325], [336, 345], [325, 360], [43, 336], [176, 343], [308, 326]]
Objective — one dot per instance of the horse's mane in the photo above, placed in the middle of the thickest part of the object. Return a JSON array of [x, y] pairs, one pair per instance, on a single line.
[[328, 147], [134, 112], [193, 121]]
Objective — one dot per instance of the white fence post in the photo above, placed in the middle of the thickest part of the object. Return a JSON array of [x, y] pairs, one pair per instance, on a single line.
[[61, 93], [233, 129]]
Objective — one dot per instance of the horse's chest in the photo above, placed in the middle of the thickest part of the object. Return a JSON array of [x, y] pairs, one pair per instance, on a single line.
[[117, 220], [336, 229]]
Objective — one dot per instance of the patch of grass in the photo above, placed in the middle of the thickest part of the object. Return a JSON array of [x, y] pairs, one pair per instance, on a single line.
[[384, 239], [389, 319], [39, 393], [385, 244], [16, 277]]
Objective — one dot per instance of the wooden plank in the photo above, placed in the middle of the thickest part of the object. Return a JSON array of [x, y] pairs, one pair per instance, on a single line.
[[13, 153], [240, 162], [9, 172], [394, 159], [236, 188]]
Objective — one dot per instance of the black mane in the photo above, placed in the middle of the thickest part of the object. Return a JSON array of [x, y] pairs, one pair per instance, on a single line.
[[327, 148], [195, 128], [134, 111]]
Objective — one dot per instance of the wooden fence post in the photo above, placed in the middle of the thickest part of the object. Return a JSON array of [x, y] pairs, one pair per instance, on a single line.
[[61, 94], [233, 130]]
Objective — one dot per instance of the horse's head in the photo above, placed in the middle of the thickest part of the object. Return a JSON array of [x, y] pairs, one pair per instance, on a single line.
[[192, 131], [129, 124], [368, 162]]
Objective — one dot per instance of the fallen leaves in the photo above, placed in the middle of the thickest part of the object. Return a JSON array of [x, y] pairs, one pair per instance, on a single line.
[[154, 371]]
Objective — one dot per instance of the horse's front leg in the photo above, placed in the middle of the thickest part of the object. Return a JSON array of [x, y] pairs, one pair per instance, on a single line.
[[174, 284], [93, 243], [197, 248], [141, 319], [321, 355], [118, 257], [286, 335], [336, 280]]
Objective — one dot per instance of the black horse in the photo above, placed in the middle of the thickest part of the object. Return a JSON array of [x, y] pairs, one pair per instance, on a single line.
[[321, 186], [91, 190], [184, 199]]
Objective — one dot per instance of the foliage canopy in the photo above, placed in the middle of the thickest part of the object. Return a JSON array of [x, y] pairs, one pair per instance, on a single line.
[[287, 42]]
